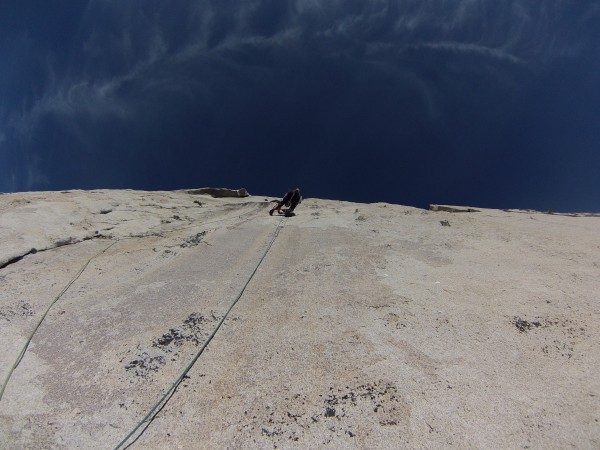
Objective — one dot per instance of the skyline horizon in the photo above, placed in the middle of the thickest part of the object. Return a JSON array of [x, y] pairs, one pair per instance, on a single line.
[[469, 102]]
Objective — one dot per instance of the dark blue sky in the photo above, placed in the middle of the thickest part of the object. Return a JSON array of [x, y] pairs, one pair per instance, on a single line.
[[480, 102]]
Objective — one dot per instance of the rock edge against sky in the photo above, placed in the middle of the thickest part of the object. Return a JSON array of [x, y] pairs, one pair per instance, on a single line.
[[365, 325]]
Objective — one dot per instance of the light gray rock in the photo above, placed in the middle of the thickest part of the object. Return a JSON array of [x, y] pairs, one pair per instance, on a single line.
[[220, 192], [386, 332]]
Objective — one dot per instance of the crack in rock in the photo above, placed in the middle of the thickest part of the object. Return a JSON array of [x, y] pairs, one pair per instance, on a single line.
[[57, 244], [16, 259]]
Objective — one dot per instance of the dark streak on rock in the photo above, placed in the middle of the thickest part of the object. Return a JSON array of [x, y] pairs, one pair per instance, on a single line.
[[18, 258], [57, 244], [524, 326]]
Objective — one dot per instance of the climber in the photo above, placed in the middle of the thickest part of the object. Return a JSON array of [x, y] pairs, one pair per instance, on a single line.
[[290, 200]]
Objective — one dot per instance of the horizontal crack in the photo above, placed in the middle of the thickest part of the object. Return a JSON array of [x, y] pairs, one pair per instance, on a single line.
[[16, 259], [57, 244]]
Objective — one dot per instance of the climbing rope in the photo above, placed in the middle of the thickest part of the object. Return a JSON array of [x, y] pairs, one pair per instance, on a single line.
[[62, 292], [149, 417], [67, 286]]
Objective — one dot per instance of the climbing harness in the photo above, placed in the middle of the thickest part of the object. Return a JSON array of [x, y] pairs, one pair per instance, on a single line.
[[149, 417]]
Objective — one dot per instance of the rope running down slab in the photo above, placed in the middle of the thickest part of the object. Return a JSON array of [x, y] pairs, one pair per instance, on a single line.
[[68, 285], [149, 417]]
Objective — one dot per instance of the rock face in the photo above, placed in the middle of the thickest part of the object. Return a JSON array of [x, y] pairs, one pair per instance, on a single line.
[[369, 326], [220, 192]]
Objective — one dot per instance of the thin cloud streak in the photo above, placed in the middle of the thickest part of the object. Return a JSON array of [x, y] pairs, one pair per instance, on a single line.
[[93, 92], [153, 71]]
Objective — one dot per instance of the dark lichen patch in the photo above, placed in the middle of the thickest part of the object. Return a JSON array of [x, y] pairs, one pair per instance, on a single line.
[[194, 330], [523, 325], [333, 414], [193, 240], [144, 364], [557, 336], [570, 326], [379, 397], [22, 310], [393, 320]]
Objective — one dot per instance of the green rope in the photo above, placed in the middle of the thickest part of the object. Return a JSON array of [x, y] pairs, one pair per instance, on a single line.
[[68, 285], [77, 275], [155, 409]]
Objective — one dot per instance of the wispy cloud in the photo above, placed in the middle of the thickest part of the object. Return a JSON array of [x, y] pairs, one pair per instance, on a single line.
[[459, 47], [141, 39], [129, 60]]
